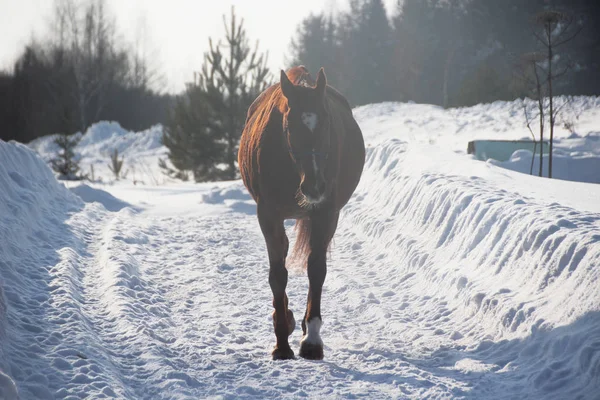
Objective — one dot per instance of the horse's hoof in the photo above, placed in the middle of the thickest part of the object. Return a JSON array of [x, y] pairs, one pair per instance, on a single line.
[[311, 351], [283, 353]]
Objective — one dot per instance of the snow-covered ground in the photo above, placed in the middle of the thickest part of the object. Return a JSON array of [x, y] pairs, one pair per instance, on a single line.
[[449, 278]]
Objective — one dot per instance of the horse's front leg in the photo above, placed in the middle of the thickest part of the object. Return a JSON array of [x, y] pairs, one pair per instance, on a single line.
[[323, 227], [277, 247]]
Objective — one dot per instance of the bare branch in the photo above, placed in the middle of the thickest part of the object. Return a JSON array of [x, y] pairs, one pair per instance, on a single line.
[[570, 37]]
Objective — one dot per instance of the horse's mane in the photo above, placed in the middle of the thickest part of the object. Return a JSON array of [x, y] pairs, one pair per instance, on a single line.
[[273, 99], [260, 111]]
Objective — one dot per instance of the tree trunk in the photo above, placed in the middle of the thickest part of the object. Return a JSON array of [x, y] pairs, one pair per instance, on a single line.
[[231, 157], [540, 96], [549, 28], [447, 65], [541, 106], [82, 119]]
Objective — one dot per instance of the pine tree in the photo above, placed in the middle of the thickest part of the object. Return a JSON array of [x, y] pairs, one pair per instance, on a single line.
[[66, 163], [204, 130], [190, 135], [484, 85], [116, 164], [233, 75]]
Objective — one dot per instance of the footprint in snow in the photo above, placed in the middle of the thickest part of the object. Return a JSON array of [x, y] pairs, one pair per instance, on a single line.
[[224, 267], [373, 299], [222, 330]]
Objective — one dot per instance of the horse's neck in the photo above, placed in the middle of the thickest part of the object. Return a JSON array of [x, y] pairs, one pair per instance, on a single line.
[[336, 124]]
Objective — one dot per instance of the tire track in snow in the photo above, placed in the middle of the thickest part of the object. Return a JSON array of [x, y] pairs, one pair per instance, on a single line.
[[182, 308], [127, 309]]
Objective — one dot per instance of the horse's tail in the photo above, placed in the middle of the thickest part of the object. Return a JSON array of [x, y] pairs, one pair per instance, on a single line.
[[299, 257]]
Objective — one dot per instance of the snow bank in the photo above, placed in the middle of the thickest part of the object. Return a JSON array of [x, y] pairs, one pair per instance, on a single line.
[[104, 137], [514, 278], [91, 195], [140, 151], [8, 389], [502, 236], [498, 120], [44, 233], [33, 208]]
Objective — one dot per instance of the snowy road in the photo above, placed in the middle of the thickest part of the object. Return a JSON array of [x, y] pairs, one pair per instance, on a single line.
[[184, 304]]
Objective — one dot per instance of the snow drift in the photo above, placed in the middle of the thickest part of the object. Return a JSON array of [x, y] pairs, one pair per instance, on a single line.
[[512, 278], [44, 233], [140, 151], [33, 210]]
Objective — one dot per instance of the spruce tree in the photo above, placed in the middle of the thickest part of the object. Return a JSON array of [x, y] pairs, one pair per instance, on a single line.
[[66, 163], [203, 132], [190, 135]]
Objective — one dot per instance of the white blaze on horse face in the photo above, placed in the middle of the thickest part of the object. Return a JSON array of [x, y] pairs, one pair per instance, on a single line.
[[310, 120], [313, 329]]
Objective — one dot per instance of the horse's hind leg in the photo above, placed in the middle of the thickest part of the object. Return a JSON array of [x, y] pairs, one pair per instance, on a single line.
[[323, 226], [277, 247]]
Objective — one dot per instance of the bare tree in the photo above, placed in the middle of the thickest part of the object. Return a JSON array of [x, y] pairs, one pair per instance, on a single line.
[[528, 120], [144, 74], [87, 37], [530, 73], [540, 70], [558, 28]]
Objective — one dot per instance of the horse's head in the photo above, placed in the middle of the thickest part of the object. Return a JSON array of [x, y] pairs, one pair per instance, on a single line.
[[306, 126]]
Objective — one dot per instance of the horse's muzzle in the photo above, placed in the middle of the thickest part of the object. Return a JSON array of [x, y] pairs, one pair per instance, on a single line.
[[315, 192]]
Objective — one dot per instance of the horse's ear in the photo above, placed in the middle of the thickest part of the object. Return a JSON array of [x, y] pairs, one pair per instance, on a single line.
[[286, 86], [321, 82]]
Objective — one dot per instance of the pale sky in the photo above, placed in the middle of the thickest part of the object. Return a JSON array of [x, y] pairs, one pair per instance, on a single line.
[[177, 30]]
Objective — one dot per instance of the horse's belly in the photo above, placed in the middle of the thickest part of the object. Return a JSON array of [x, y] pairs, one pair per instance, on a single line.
[[351, 167]]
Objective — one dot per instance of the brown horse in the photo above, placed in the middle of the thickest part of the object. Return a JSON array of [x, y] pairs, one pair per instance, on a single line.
[[301, 157]]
